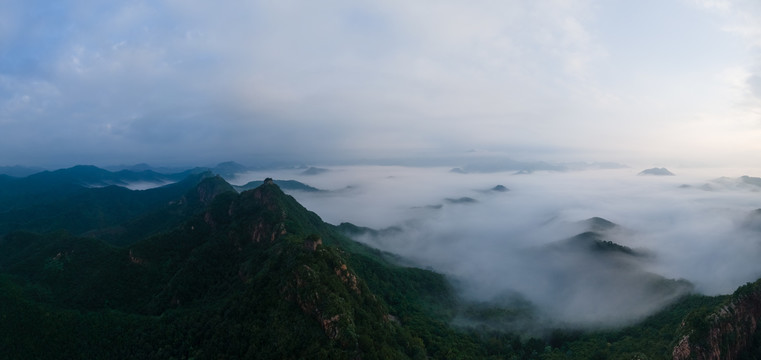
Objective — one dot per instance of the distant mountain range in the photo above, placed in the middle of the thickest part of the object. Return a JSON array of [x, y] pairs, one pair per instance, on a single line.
[[283, 184], [490, 165], [65, 198], [742, 183], [19, 171], [225, 169], [746, 182], [314, 171], [195, 269]]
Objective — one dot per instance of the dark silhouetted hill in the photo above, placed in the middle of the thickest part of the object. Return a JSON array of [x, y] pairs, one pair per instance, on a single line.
[[656, 172], [284, 184]]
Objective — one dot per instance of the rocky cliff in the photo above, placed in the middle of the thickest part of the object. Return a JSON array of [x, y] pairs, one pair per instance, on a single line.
[[728, 332]]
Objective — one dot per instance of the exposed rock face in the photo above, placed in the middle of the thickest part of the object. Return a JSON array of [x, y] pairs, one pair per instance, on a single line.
[[725, 333], [326, 305], [312, 242], [682, 349], [348, 278], [263, 231], [134, 259]]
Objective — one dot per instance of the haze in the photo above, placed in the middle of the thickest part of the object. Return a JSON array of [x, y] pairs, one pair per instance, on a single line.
[[189, 82]]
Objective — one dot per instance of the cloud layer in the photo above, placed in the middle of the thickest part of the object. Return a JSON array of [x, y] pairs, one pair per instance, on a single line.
[[511, 242], [131, 81]]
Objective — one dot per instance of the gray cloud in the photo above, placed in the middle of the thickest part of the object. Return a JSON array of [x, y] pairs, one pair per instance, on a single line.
[[381, 80]]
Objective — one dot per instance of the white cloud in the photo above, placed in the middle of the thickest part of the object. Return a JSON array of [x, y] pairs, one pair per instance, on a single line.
[[499, 244]]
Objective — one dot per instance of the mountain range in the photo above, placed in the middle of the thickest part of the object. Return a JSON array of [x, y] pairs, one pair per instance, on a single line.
[[195, 269]]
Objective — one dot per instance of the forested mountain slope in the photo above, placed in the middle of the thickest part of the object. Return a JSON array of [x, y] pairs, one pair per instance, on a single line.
[[206, 272]]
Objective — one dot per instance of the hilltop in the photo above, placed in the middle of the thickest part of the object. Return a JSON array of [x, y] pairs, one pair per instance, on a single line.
[[656, 172]]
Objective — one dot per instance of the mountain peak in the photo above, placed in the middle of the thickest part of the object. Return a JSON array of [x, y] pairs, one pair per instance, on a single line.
[[599, 224], [229, 169], [656, 172], [210, 187], [314, 171], [595, 242], [285, 185], [500, 188]]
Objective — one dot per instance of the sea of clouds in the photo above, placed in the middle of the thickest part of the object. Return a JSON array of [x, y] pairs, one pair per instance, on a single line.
[[695, 226]]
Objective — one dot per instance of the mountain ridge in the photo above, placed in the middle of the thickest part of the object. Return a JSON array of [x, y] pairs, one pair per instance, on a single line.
[[270, 244]]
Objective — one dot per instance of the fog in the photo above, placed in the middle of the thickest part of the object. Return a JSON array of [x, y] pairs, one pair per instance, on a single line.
[[692, 226]]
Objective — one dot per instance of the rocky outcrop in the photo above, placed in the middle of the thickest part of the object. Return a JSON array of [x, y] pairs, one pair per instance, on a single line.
[[328, 306], [134, 259], [348, 278], [725, 333], [311, 242], [263, 231], [326, 289]]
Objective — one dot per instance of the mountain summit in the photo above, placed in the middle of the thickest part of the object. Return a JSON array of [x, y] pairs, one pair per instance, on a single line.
[[656, 172], [249, 275]]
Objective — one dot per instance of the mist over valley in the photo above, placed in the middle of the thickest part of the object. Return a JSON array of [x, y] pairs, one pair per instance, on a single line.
[[501, 243], [368, 258]]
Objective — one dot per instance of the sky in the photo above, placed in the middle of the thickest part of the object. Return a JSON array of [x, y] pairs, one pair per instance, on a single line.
[[173, 82]]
